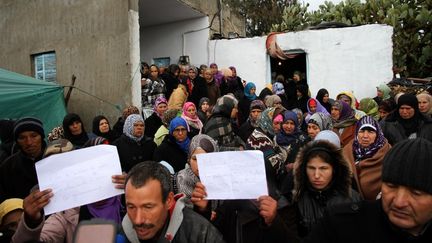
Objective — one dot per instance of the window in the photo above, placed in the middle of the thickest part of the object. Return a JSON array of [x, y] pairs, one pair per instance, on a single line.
[[45, 66]]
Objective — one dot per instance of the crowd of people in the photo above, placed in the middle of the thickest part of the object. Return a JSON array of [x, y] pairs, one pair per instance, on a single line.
[[337, 170]]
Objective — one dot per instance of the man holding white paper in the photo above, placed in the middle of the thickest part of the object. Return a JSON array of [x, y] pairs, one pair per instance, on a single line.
[[239, 220]]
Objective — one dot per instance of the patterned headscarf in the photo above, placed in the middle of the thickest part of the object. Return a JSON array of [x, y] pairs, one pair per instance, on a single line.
[[361, 153], [284, 138], [346, 112], [129, 110], [192, 121], [247, 89], [159, 100], [203, 141], [322, 120], [129, 126], [265, 122]]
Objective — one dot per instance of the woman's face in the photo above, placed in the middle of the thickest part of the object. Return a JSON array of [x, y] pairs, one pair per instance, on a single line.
[[312, 108], [383, 113], [313, 130], [214, 69], [180, 133], [192, 74], [205, 106], [161, 108], [191, 111], [255, 114], [423, 105], [319, 172], [75, 128], [138, 129], [276, 126], [193, 160], [154, 72], [288, 126], [326, 98], [252, 91], [366, 137], [335, 113], [208, 75], [103, 126]]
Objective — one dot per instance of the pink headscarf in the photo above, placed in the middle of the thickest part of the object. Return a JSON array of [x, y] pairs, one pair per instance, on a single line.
[[192, 121]]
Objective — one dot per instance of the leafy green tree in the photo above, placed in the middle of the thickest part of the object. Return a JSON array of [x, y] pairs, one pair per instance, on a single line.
[[411, 21]]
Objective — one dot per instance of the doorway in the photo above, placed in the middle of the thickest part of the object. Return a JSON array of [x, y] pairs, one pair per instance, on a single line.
[[295, 62]]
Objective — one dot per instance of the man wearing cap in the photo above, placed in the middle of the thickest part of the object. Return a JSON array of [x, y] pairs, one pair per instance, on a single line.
[[10, 215], [407, 122], [18, 173], [404, 212]]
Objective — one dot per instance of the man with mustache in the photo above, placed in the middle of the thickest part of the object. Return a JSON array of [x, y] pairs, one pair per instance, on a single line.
[[404, 212], [154, 214], [18, 173]]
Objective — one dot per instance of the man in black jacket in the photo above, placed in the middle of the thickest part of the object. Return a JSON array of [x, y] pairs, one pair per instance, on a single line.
[[18, 173], [404, 213]]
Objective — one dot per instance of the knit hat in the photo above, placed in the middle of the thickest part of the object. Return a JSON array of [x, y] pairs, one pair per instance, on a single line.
[[408, 163], [10, 205], [408, 99], [28, 124], [58, 146]]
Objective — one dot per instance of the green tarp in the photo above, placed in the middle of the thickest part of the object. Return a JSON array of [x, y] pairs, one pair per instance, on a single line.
[[23, 96]]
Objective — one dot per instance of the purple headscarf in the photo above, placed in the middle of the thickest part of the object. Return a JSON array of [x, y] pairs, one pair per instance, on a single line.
[[319, 108], [159, 101], [361, 153], [107, 209], [284, 138], [219, 77]]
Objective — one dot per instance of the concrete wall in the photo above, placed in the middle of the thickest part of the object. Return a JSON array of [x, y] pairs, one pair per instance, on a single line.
[[93, 40], [355, 59], [167, 41]]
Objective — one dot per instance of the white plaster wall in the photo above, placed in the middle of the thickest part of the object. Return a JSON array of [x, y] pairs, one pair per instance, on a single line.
[[166, 41], [355, 59], [135, 58]]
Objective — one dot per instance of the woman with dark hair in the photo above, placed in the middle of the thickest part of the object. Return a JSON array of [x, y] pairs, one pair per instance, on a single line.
[[244, 103], [246, 129], [322, 179], [204, 110], [74, 130], [324, 98], [153, 122], [153, 87], [171, 78], [102, 128], [175, 146], [366, 153]]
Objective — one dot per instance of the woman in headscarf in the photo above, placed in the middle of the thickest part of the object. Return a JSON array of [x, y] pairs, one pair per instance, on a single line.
[[133, 146], [219, 126], [190, 115], [175, 147], [324, 98], [185, 179], [301, 120], [160, 134], [262, 138], [343, 121], [204, 110], [383, 93], [349, 98], [74, 130], [246, 129], [322, 179], [153, 122], [245, 102], [217, 75], [370, 107], [318, 122], [302, 97], [273, 101], [366, 153], [118, 127], [313, 105], [102, 128], [407, 122], [279, 90], [290, 137], [425, 104]]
